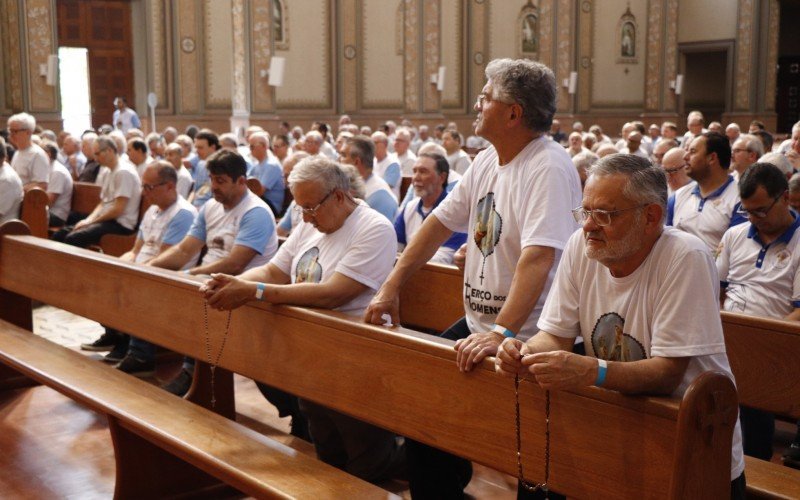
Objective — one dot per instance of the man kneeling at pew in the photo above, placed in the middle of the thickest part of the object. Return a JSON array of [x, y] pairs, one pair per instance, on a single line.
[[336, 258], [644, 299]]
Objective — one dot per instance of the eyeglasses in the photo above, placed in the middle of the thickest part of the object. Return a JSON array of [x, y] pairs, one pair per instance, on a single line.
[[312, 212], [16, 130], [600, 217], [670, 171], [483, 97], [150, 187], [759, 213]]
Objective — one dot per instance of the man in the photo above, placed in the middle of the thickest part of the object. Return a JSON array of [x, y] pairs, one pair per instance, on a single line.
[[627, 128], [269, 174], [118, 210], [575, 144], [174, 156], [386, 164], [660, 149], [206, 143], [695, 123], [457, 158], [74, 159], [583, 162], [30, 161], [59, 187], [732, 132], [647, 328], [236, 227], [602, 138], [794, 193], [429, 182], [756, 126], [164, 224], [169, 134], [708, 206], [669, 131], [405, 157], [91, 170], [715, 127], [758, 262], [335, 259], [359, 151], [654, 131], [124, 117], [137, 154], [633, 145], [746, 150], [423, 137], [280, 147], [555, 132], [674, 165], [514, 202], [11, 192]]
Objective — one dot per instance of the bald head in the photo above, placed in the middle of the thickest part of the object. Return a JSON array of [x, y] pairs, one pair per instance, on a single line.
[[673, 165]]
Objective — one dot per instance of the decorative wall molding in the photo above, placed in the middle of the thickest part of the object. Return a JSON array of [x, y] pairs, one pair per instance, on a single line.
[[158, 21], [40, 43], [654, 56], [12, 65], [453, 48], [188, 64], [478, 37], [669, 102], [563, 52], [585, 29], [411, 56], [280, 24], [218, 49], [350, 66], [241, 74], [547, 26], [772, 54], [262, 97], [431, 54], [744, 55]]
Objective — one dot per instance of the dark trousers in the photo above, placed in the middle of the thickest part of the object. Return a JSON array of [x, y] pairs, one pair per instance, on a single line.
[[758, 430], [91, 234], [56, 221]]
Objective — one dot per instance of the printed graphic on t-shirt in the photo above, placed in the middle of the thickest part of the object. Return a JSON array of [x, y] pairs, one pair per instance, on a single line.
[[736, 298], [782, 258], [218, 242], [488, 226], [308, 269], [610, 342], [205, 188]]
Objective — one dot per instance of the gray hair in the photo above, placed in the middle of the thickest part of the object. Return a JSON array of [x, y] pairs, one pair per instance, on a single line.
[[357, 186], [795, 127], [646, 182], [779, 160], [106, 142], [752, 144], [230, 139], [794, 183], [323, 171], [166, 172], [530, 84], [118, 137], [24, 119], [585, 159]]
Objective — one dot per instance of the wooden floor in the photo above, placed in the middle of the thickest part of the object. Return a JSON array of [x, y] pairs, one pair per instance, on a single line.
[[50, 447]]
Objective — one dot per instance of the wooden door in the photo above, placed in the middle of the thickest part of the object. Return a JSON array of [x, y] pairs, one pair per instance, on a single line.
[[788, 95], [104, 28]]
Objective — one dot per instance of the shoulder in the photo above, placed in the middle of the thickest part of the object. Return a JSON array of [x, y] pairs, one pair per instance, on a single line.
[[368, 221], [685, 192], [676, 246]]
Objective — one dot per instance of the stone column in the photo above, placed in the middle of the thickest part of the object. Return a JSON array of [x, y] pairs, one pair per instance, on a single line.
[[260, 43], [240, 93], [431, 97], [661, 59]]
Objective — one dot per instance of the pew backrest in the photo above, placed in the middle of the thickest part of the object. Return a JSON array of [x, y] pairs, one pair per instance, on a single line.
[[35, 213], [85, 197], [431, 300]]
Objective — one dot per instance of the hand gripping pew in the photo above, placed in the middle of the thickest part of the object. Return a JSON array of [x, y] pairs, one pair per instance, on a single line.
[[603, 444], [761, 352]]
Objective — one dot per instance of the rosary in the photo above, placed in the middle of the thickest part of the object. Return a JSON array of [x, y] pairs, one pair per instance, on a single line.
[[526, 484], [213, 364]]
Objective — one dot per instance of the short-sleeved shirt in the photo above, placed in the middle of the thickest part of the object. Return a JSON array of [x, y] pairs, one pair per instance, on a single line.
[[380, 196], [270, 175], [165, 227], [11, 193], [410, 219], [202, 185], [123, 181], [291, 218], [185, 182], [504, 209], [126, 120], [707, 218], [60, 184], [761, 280], [31, 164], [363, 249], [389, 169], [250, 223], [407, 162], [668, 307], [459, 161]]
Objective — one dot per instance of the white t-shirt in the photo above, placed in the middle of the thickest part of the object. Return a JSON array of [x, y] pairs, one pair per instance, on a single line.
[[389, 170], [459, 161], [168, 226], [760, 281], [185, 181], [707, 218], [504, 209], [668, 307], [102, 173], [10, 193], [140, 168], [123, 181], [60, 183], [32, 164], [407, 162], [363, 249]]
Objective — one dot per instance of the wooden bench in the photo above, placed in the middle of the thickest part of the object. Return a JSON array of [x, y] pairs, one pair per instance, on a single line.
[[604, 445], [35, 212], [761, 352], [85, 197], [118, 244], [763, 356], [405, 183]]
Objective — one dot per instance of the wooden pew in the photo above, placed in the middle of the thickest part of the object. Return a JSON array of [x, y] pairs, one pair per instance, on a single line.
[[35, 212], [405, 183], [117, 244], [763, 356], [761, 352], [604, 445], [85, 197]]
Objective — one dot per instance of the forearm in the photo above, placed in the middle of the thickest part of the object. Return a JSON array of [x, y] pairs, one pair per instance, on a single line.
[[323, 295], [655, 376], [793, 316], [27, 187], [174, 258], [527, 285], [224, 266], [421, 248]]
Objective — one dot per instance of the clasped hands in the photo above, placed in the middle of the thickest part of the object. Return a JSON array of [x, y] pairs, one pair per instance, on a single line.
[[551, 370], [225, 292]]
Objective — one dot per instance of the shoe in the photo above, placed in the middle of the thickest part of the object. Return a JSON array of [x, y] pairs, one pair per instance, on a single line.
[[117, 354], [179, 385], [136, 367], [106, 342], [792, 455], [299, 427]]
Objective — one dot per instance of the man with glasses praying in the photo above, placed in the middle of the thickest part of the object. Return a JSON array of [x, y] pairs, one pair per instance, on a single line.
[[336, 258], [514, 205], [642, 297], [758, 262], [708, 206]]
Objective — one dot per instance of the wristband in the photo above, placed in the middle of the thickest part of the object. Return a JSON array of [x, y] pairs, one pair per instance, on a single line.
[[602, 367], [505, 332], [260, 287]]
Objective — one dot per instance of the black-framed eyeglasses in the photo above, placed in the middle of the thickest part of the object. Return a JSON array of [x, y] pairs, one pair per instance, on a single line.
[[759, 213], [150, 187], [670, 171], [600, 217], [312, 212]]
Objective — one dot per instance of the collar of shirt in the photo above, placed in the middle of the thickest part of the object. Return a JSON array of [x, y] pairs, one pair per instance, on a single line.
[[438, 200], [716, 193], [785, 238]]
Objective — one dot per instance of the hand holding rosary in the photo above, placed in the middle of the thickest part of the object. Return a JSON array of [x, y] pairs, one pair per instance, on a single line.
[[527, 484]]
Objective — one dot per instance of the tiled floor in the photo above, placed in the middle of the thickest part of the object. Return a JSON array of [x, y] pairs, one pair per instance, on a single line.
[[63, 327]]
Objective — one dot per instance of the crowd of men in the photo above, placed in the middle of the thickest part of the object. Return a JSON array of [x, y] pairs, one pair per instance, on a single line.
[[586, 261]]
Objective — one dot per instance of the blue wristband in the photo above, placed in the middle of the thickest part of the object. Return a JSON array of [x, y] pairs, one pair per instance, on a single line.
[[260, 287], [505, 332], [602, 367]]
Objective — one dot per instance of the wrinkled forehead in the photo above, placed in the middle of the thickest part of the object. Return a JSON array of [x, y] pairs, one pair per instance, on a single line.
[[605, 191]]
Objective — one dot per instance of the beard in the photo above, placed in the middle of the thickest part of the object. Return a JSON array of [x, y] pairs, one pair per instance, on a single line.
[[614, 251]]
